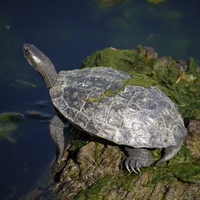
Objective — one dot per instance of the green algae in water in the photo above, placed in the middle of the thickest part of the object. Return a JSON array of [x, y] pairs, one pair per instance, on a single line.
[[8, 124], [156, 1], [6, 132], [11, 117]]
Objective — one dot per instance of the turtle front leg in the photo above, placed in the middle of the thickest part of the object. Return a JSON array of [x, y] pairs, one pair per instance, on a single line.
[[137, 158], [56, 127]]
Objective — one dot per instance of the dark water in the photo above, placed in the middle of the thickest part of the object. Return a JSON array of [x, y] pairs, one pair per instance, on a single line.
[[68, 31]]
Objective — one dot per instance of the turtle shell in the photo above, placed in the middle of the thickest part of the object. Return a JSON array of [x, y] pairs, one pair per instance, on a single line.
[[98, 101]]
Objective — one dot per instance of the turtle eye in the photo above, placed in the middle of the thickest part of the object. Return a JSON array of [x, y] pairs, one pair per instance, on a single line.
[[27, 52]]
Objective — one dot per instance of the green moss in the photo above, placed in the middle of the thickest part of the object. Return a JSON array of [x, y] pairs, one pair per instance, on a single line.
[[77, 144], [107, 93], [101, 188], [128, 181], [97, 153], [109, 57], [138, 79], [74, 175], [164, 174], [186, 173], [182, 166]]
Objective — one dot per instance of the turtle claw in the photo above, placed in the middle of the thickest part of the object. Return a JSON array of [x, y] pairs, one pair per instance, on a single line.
[[133, 164], [137, 158], [139, 170]]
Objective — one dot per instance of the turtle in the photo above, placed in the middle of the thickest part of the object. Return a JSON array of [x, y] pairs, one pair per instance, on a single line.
[[98, 100]]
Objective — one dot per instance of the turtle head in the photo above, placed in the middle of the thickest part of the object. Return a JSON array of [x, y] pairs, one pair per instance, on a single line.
[[41, 63]]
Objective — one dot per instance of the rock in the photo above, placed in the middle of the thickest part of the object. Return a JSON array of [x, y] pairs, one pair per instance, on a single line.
[[97, 172], [93, 162], [192, 140]]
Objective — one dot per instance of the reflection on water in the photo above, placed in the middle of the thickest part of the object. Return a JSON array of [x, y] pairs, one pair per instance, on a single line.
[[69, 31]]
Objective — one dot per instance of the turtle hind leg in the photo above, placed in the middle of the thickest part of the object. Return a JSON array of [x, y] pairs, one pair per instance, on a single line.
[[169, 153], [137, 158]]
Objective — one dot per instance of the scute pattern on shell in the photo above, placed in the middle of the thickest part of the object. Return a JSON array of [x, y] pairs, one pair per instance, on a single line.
[[136, 116]]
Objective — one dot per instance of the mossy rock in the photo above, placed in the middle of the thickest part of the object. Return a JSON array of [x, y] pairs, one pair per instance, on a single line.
[[96, 171]]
